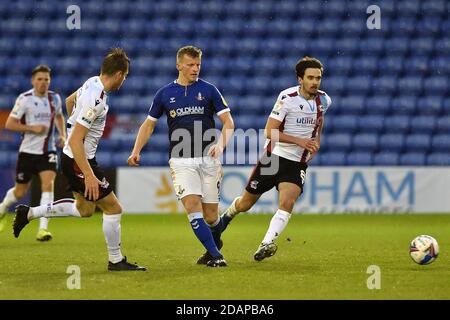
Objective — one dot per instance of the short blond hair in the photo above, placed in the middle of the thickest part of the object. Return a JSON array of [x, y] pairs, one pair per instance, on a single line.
[[191, 51]]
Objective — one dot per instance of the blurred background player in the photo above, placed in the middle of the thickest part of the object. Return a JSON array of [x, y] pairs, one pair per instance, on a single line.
[[190, 103], [90, 188], [36, 114], [293, 131]]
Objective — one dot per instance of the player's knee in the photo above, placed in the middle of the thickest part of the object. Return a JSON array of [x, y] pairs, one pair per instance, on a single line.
[[287, 204], [192, 204], [85, 211], [20, 193]]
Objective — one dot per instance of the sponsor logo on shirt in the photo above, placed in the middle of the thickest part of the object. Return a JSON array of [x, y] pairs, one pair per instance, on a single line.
[[306, 120], [199, 97], [172, 100], [180, 112]]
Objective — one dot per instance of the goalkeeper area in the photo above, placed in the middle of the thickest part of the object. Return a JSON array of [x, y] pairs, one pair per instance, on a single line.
[[318, 257]]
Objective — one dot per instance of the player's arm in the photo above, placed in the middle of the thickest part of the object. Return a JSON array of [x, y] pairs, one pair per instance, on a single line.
[[76, 143], [14, 124], [61, 127], [319, 134], [272, 132], [144, 134], [70, 103], [227, 131]]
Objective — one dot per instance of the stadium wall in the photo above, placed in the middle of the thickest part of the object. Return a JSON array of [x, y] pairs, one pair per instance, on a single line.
[[393, 190]]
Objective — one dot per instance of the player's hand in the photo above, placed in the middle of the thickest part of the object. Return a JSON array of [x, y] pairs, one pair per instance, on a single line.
[[39, 129], [91, 191], [215, 151], [312, 154], [133, 160], [309, 144]]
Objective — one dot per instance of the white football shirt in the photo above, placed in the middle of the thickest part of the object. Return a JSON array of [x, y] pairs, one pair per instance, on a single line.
[[300, 118], [31, 109], [90, 111]]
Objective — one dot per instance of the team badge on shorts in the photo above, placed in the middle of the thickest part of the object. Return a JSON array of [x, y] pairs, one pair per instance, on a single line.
[[180, 191], [254, 184]]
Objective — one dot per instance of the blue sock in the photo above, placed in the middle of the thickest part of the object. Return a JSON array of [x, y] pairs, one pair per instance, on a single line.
[[203, 233], [216, 231]]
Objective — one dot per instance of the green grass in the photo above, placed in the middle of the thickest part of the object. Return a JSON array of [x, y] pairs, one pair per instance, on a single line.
[[319, 257]]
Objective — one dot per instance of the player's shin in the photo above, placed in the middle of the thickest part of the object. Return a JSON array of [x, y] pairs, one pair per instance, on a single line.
[[229, 214], [9, 200], [203, 233], [277, 225], [216, 231], [111, 230], [46, 198]]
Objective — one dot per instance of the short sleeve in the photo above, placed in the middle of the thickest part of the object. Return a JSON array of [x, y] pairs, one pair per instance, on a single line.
[[19, 107], [325, 100], [218, 101], [279, 110], [157, 108], [57, 103], [90, 110]]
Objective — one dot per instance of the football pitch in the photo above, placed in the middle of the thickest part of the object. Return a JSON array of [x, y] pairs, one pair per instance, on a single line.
[[319, 257]]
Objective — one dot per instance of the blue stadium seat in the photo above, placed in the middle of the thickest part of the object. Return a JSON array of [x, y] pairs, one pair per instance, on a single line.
[[352, 104], [384, 84], [437, 84], [365, 142], [105, 159], [386, 159], [438, 159], [397, 46], [154, 159], [343, 124], [392, 142], [360, 159], [423, 124], [404, 105], [365, 65], [378, 105], [440, 143], [391, 64], [339, 141], [371, 46], [418, 142], [410, 85], [423, 46], [430, 105], [398, 124], [412, 159], [416, 65], [443, 124], [333, 159], [371, 124], [359, 84]]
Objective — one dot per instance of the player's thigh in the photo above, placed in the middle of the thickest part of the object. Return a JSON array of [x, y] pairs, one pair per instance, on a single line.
[[85, 207], [110, 204], [288, 194], [25, 167], [185, 177], [212, 175], [47, 179]]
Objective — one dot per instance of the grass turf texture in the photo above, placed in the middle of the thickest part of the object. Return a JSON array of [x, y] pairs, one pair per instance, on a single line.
[[319, 257]]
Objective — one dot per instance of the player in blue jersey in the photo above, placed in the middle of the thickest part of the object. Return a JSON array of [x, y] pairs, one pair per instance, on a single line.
[[190, 104]]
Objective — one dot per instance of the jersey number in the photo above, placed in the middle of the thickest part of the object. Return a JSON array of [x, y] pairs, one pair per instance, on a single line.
[[52, 157]]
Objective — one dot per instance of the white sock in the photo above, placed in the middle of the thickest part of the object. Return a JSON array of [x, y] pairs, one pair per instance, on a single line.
[[46, 198], [212, 225], [57, 209], [111, 229], [277, 224], [232, 211], [9, 198]]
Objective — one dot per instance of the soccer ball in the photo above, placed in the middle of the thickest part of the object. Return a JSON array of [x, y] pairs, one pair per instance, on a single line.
[[424, 249]]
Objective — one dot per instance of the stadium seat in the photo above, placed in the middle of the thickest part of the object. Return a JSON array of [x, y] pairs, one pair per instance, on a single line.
[[440, 143], [386, 159], [339, 141], [412, 159], [418, 142], [392, 142], [360, 159], [371, 124], [333, 159], [365, 142], [438, 159], [343, 124], [423, 124], [399, 124]]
